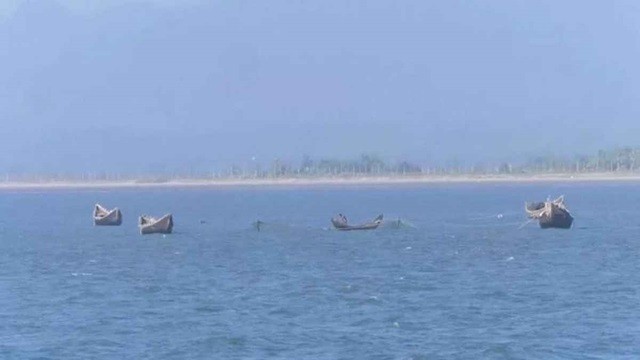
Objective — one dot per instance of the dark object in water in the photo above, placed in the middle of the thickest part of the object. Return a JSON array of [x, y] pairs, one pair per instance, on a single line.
[[340, 223], [105, 217], [149, 225], [258, 224], [550, 214]]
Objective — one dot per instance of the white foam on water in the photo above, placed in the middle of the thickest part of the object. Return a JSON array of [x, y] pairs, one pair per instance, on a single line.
[[510, 258], [81, 274]]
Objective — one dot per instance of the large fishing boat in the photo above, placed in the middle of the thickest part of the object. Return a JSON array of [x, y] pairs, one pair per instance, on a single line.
[[550, 214]]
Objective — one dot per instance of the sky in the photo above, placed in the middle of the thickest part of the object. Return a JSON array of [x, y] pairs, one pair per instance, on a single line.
[[126, 86]]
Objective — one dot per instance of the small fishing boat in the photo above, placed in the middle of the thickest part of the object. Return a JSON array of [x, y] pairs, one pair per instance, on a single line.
[[550, 214], [340, 223], [150, 225], [105, 217]]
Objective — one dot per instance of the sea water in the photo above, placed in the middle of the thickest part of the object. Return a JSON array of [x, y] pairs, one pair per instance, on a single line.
[[453, 273]]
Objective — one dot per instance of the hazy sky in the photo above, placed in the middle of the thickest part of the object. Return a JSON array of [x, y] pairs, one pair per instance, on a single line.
[[162, 84], [87, 7]]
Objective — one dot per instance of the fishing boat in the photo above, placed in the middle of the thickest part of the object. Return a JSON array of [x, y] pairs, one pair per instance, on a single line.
[[550, 214], [105, 217], [340, 223], [150, 225]]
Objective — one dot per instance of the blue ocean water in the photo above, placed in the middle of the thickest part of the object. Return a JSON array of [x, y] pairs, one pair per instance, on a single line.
[[459, 279]]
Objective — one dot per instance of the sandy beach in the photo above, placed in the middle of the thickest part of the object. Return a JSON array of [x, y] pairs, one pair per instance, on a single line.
[[325, 181]]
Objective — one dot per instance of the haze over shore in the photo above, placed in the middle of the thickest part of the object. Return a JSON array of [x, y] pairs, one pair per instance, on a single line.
[[160, 86]]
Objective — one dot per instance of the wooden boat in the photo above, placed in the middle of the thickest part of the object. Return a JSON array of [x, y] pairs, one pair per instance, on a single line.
[[105, 217], [340, 223], [550, 214], [150, 225]]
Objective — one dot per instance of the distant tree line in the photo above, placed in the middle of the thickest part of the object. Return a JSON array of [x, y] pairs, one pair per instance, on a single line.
[[366, 164], [625, 159]]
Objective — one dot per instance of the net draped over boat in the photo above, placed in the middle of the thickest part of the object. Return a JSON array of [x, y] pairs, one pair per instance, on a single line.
[[546, 209]]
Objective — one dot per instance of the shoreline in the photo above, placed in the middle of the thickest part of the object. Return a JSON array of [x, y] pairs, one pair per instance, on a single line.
[[325, 181]]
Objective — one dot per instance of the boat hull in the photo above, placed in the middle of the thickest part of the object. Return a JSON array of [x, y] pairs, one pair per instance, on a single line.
[[341, 225], [111, 218], [164, 225], [355, 228], [558, 220]]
